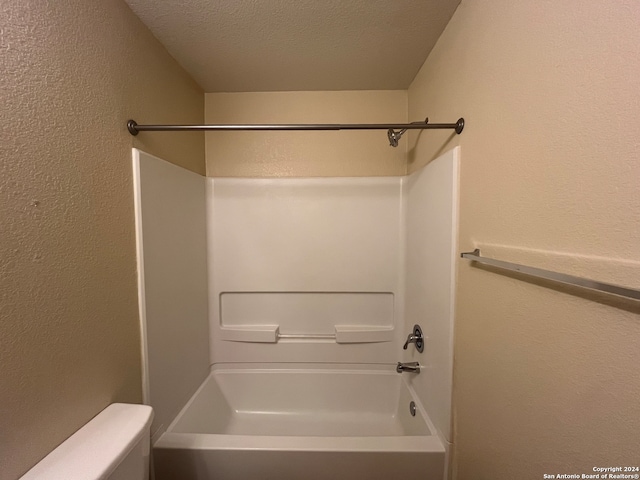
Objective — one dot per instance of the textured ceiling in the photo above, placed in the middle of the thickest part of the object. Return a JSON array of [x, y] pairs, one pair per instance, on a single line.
[[271, 45]]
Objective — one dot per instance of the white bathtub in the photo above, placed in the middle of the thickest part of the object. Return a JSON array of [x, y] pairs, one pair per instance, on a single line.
[[307, 422]]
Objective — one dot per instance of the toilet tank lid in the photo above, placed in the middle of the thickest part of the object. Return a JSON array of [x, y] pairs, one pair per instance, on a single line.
[[95, 450]]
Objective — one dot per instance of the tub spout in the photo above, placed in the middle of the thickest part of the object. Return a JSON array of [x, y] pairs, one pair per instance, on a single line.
[[413, 367]]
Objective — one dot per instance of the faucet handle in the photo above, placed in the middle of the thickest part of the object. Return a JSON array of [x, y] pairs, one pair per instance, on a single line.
[[410, 339], [416, 338]]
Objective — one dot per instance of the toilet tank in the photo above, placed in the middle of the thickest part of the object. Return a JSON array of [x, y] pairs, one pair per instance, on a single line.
[[114, 445]]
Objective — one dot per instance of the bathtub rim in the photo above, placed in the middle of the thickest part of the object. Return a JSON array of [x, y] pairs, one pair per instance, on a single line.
[[382, 444]]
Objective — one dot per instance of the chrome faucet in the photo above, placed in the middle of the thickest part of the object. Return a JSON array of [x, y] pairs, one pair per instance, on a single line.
[[413, 367], [416, 338]]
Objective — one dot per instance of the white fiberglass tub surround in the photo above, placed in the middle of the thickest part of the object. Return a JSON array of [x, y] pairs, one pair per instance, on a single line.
[[300, 293], [325, 422]]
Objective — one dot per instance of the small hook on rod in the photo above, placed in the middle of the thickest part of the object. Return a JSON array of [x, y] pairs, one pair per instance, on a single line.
[[394, 136]]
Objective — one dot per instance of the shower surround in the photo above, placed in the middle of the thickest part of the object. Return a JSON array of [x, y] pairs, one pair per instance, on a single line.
[[306, 291]]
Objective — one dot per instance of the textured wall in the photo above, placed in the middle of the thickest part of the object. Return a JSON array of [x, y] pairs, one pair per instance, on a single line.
[[546, 379], [72, 73], [305, 154]]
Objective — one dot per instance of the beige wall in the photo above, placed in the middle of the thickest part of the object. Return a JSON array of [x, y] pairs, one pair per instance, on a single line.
[[546, 379], [310, 154], [73, 72]]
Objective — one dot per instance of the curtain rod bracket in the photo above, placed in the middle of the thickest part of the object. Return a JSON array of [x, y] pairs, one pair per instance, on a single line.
[[131, 126]]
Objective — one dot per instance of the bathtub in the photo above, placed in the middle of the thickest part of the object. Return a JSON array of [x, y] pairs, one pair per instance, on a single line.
[[291, 421]]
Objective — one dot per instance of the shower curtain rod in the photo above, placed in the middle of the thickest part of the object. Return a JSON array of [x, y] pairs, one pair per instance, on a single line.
[[134, 128]]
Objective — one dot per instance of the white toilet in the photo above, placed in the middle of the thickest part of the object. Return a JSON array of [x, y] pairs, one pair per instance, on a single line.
[[114, 445]]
